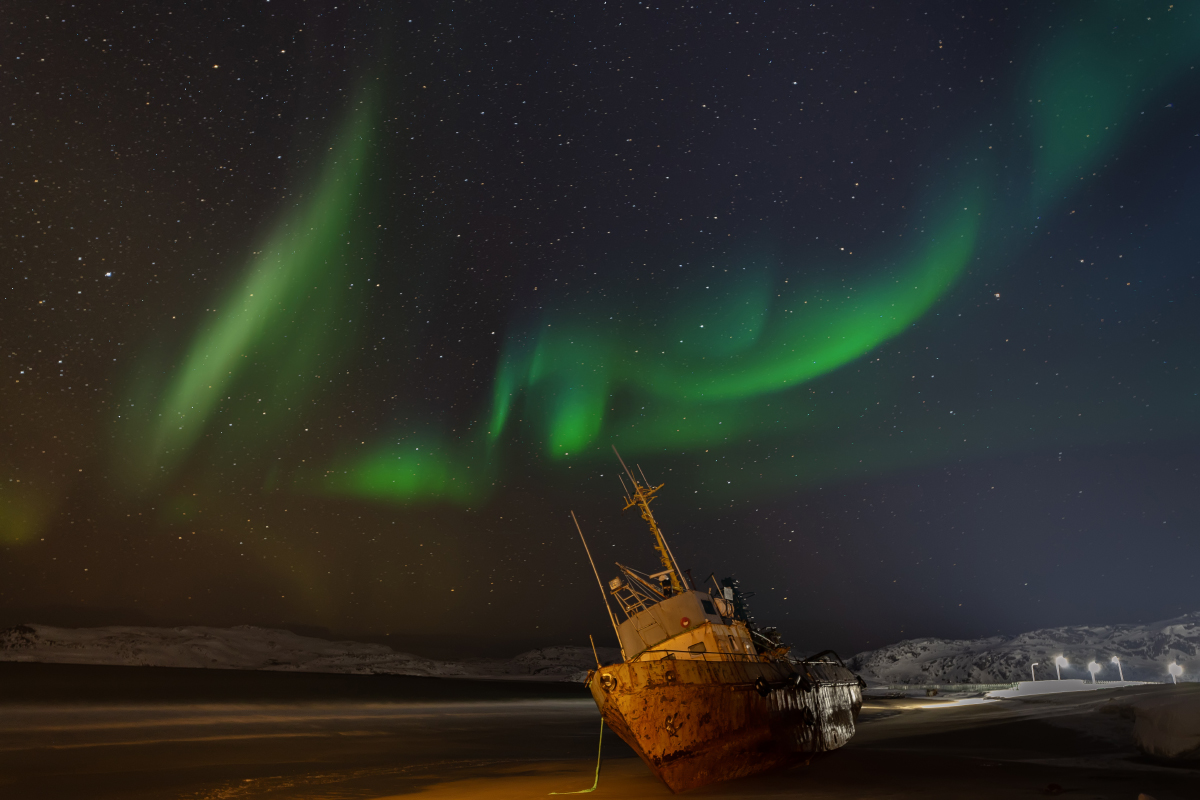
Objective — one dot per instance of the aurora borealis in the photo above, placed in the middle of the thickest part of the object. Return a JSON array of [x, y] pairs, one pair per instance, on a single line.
[[314, 310], [276, 312]]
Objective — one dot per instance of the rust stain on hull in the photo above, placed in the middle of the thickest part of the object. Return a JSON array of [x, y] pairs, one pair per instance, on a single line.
[[697, 722]]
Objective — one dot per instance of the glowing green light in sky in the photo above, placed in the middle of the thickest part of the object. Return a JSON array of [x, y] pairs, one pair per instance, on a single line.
[[698, 367], [270, 333], [814, 329], [24, 511], [755, 336], [692, 374], [1099, 77], [414, 470]]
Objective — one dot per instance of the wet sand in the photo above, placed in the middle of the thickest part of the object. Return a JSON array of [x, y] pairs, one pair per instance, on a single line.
[[128, 732]]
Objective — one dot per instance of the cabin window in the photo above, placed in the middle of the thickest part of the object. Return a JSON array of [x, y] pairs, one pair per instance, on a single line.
[[708, 607], [733, 648], [698, 647]]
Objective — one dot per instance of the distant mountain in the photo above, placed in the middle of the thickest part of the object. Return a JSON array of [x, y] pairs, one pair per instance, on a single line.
[[247, 647], [1144, 650]]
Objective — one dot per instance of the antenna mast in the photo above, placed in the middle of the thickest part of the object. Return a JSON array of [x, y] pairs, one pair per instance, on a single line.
[[641, 497], [607, 607]]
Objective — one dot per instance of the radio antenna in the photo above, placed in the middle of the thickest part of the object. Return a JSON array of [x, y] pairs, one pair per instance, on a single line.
[[603, 595]]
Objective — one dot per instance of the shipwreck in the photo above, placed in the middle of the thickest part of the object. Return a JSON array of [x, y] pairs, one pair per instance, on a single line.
[[702, 693]]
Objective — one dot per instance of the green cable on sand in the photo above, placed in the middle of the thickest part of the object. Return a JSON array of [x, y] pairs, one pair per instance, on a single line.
[[597, 781]]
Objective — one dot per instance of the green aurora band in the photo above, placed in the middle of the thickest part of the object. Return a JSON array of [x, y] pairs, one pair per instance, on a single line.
[[697, 386], [760, 339], [701, 372], [258, 360], [1108, 61], [419, 468]]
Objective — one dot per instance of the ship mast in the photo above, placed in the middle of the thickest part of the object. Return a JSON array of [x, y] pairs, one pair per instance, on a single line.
[[641, 497]]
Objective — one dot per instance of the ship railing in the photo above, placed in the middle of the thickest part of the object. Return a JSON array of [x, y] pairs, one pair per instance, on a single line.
[[822, 657], [753, 658], [690, 655], [631, 602]]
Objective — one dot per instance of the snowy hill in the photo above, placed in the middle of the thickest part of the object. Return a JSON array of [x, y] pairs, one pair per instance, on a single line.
[[1144, 650], [247, 647]]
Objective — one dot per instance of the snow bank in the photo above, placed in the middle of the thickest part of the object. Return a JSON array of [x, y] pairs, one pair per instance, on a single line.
[[1028, 688], [1167, 725], [248, 647], [1144, 650]]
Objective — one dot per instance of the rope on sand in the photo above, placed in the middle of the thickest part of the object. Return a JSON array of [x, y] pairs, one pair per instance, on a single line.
[[597, 781]]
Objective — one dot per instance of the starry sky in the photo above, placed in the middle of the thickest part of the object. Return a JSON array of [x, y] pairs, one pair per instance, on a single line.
[[325, 315]]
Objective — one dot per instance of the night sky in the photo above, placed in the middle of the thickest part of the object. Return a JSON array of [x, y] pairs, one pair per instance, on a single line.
[[325, 315]]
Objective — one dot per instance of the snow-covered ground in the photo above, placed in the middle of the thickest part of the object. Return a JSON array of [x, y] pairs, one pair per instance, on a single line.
[[1026, 689], [247, 647], [1145, 652]]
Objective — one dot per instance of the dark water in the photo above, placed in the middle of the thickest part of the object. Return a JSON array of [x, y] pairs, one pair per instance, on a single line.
[[127, 732], [75, 683], [70, 731]]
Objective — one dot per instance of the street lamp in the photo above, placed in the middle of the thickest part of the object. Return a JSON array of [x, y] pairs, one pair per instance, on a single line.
[[1120, 671], [1093, 668], [1059, 663], [1175, 671], [1031, 674]]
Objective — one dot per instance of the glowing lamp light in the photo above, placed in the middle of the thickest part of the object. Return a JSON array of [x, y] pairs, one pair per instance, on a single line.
[[1059, 663], [1120, 671], [1175, 671], [685, 622], [1093, 668]]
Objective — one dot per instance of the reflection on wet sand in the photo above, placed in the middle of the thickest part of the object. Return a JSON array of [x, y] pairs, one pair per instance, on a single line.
[[349, 737]]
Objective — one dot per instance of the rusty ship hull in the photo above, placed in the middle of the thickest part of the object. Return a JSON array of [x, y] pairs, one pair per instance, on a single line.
[[695, 722]]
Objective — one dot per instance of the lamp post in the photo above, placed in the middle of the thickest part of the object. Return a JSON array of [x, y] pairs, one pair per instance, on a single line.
[[1032, 676], [1175, 671], [1120, 671], [1093, 668], [1059, 663]]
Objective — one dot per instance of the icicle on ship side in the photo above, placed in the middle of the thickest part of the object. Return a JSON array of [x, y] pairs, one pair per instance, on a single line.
[[701, 695]]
